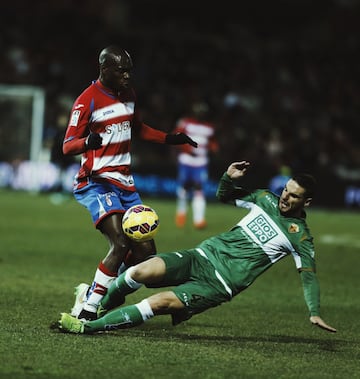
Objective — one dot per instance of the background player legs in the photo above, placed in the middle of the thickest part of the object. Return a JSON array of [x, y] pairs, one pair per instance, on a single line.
[[181, 207], [198, 209]]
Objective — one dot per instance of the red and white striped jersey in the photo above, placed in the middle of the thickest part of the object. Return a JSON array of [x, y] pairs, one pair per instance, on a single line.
[[201, 132], [115, 118]]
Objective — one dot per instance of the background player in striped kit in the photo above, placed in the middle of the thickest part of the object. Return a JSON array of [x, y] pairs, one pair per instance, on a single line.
[[193, 164], [104, 119]]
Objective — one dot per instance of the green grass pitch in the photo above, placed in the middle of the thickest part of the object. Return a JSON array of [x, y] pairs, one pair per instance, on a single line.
[[47, 249]]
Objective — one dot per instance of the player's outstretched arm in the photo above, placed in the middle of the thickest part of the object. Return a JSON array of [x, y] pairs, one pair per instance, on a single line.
[[237, 169], [318, 321], [179, 139]]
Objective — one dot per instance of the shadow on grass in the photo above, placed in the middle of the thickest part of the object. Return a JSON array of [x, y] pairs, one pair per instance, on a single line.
[[160, 332], [170, 335], [324, 344]]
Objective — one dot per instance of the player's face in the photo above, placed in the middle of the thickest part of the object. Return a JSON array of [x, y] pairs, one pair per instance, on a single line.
[[292, 199], [117, 75]]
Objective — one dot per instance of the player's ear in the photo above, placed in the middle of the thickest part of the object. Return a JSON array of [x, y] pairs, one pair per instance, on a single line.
[[307, 201]]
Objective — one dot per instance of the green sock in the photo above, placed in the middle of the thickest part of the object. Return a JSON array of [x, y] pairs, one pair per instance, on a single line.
[[121, 318], [115, 295]]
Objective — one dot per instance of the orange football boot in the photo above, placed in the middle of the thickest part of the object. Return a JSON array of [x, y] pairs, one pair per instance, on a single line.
[[180, 220]]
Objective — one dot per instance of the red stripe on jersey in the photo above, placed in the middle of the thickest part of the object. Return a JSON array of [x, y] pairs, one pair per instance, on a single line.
[[125, 170], [114, 149]]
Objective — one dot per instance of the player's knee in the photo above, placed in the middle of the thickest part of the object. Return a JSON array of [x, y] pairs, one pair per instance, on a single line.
[[119, 245], [149, 272]]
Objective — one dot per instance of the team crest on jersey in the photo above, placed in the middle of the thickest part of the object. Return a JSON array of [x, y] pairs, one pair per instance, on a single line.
[[293, 228], [108, 199], [74, 118]]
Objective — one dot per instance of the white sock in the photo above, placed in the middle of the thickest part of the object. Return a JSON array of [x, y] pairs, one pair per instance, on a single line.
[[198, 206], [181, 200], [130, 281], [99, 287], [145, 309]]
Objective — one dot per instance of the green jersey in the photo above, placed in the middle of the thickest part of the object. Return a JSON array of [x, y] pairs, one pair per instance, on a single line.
[[259, 240]]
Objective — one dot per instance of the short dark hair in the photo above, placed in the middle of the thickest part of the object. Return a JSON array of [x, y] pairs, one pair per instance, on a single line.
[[114, 55], [307, 182]]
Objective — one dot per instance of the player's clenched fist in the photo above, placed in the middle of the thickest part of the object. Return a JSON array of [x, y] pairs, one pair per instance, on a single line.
[[93, 141]]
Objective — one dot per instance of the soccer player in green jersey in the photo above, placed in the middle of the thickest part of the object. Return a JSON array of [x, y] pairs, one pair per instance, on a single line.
[[222, 266]]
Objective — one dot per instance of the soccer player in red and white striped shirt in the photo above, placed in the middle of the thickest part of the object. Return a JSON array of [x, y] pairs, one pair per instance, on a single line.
[[193, 164], [103, 121]]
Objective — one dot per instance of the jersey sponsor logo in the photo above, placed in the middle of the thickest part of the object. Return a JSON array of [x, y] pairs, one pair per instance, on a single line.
[[118, 127], [74, 118], [79, 106], [262, 230], [293, 228], [108, 112]]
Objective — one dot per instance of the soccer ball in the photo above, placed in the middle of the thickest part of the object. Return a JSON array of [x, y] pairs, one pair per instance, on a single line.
[[140, 222]]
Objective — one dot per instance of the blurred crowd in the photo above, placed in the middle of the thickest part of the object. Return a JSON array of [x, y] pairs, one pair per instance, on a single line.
[[282, 79]]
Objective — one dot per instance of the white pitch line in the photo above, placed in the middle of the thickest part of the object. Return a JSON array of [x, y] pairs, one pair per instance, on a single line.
[[344, 240]]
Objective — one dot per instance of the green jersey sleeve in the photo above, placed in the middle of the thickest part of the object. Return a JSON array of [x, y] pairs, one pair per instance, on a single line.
[[311, 291], [227, 191]]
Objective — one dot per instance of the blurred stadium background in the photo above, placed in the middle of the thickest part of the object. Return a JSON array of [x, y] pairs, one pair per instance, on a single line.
[[282, 79]]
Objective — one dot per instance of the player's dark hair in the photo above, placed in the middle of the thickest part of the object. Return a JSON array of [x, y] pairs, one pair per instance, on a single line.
[[307, 182]]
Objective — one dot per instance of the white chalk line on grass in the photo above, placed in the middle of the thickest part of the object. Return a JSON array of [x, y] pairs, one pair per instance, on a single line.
[[343, 240]]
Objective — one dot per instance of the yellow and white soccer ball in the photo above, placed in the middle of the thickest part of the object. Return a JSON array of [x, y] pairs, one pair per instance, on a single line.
[[140, 222]]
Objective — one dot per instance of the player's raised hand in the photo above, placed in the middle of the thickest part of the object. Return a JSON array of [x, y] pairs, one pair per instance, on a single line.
[[318, 321], [237, 169], [180, 139], [93, 141]]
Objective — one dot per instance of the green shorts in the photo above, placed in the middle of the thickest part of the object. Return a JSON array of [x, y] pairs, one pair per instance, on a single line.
[[196, 284]]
